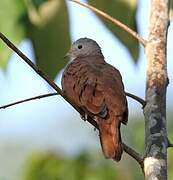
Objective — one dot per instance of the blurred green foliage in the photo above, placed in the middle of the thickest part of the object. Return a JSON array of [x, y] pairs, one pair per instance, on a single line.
[[50, 166], [86, 165], [92, 165], [46, 24], [48, 30], [11, 14], [128, 17]]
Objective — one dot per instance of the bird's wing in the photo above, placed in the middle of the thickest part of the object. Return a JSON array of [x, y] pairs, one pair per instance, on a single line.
[[114, 92], [91, 94], [95, 87], [80, 83]]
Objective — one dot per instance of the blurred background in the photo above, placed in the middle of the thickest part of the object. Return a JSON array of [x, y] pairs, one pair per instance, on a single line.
[[46, 139]]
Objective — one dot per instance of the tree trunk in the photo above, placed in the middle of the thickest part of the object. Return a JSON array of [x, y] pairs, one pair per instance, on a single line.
[[155, 162]]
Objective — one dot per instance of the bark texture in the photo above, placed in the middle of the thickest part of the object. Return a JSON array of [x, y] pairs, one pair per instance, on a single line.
[[155, 162]]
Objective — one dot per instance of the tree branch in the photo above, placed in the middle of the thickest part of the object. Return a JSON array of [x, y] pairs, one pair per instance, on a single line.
[[134, 154], [55, 87], [155, 162], [169, 143], [29, 99], [138, 99], [113, 20]]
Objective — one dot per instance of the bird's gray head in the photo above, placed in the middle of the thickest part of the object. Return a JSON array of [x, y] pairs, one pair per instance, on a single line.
[[84, 47]]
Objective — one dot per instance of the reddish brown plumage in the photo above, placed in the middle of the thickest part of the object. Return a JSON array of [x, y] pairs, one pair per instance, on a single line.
[[96, 86]]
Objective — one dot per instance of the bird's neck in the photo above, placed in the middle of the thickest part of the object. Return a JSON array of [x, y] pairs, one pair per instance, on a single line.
[[90, 58]]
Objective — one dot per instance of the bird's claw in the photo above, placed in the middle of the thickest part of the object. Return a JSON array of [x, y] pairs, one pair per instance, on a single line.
[[85, 117], [95, 118]]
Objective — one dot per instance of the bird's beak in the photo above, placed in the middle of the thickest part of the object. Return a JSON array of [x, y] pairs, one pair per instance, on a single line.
[[67, 55]]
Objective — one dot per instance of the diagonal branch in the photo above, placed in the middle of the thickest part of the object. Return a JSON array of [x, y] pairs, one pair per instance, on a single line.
[[138, 157], [127, 149], [113, 20]]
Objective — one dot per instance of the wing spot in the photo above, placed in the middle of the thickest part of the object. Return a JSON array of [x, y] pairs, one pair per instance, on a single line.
[[78, 81], [85, 82], [80, 68], [74, 86], [84, 87], [95, 86], [80, 95]]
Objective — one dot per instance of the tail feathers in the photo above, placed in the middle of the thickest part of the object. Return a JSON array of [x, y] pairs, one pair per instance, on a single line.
[[110, 138]]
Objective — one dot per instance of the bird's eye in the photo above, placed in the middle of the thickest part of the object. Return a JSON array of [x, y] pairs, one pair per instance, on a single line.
[[79, 46]]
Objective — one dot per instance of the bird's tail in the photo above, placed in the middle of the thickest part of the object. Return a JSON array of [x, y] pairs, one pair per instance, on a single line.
[[110, 138]]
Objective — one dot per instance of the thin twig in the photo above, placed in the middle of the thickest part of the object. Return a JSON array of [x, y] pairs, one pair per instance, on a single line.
[[128, 150], [53, 94], [134, 154], [137, 98], [29, 99], [169, 143], [115, 21]]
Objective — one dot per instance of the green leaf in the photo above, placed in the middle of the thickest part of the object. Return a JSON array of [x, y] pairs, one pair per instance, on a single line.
[[125, 12], [49, 32], [11, 14]]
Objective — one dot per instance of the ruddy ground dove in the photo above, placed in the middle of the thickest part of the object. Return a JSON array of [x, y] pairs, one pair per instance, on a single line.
[[97, 88]]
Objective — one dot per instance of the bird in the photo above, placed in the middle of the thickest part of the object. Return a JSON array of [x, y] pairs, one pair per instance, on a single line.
[[97, 88]]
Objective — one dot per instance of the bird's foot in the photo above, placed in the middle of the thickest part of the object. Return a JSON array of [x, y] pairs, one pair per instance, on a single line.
[[85, 117], [95, 118]]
